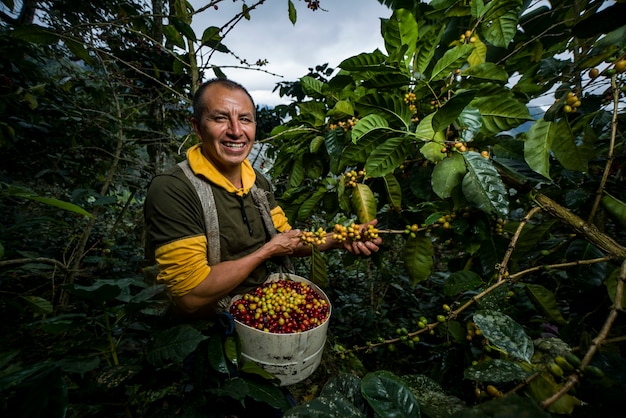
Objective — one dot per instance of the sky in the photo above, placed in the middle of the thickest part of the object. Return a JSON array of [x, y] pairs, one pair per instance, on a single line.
[[346, 28]]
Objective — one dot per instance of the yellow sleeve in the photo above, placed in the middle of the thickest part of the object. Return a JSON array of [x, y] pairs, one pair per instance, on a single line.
[[281, 223], [183, 264]]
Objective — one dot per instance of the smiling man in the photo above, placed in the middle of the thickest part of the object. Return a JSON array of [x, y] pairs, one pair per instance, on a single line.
[[212, 221]]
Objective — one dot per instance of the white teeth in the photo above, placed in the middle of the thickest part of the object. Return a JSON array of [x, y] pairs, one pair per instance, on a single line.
[[234, 145]]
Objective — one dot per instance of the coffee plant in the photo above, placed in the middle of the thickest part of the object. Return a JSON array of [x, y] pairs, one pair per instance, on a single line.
[[487, 138]]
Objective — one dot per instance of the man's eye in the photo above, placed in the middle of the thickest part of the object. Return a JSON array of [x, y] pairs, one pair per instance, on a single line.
[[245, 120]]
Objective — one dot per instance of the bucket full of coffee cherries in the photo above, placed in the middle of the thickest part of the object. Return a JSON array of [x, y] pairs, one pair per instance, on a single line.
[[282, 325]]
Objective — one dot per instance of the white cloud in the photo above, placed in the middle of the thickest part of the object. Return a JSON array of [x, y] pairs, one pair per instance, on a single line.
[[348, 28]]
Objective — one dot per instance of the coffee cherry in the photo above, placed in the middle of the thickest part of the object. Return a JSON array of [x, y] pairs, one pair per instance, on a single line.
[[620, 66], [282, 307], [594, 73]]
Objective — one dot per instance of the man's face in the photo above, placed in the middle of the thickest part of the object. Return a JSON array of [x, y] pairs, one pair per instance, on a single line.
[[227, 126]]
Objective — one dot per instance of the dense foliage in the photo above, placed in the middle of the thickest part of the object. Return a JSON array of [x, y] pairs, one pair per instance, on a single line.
[[487, 139]]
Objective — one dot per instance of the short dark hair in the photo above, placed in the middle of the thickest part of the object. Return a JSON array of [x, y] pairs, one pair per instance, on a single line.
[[229, 84]]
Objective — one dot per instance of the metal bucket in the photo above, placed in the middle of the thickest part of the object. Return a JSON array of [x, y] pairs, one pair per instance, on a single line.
[[290, 357]]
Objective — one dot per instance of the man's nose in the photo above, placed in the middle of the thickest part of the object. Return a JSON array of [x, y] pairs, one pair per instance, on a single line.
[[235, 127]]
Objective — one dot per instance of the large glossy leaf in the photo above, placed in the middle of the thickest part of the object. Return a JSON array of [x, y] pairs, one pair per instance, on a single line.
[[424, 129], [372, 61], [570, 155], [349, 386], [537, 147], [36, 34], [483, 186], [216, 355], [319, 273], [310, 206], [470, 122], [448, 174], [450, 61], [418, 258], [451, 110], [329, 405], [183, 27], [335, 143], [615, 207], [391, 107], [543, 387], [587, 275], [501, 112], [545, 301], [501, 19], [23, 193], [388, 156], [175, 38], [429, 37], [487, 71], [611, 286], [505, 333], [260, 391], [356, 154], [388, 395], [496, 371], [461, 281], [394, 191], [174, 344], [368, 124], [312, 86], [363, 203], [400, 35], [432, 397]]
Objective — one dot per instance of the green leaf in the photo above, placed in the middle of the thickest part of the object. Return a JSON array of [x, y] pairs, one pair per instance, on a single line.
[[78, 49], [611, 286], [500, 22], [470, 122], [567, 152], [174, 345], [432, 152], [616, 209], [388, 395], [487, 71], [35, 34], [232, 349], [387, 157], [424, 130], [335, 142], [496, 371], [418, 257], [447, 175], [546, 301], [363, 203], [585, 275], [263, 392], [183, 27], [312, 87], [174, 37], [367, 124], [27, 194], [501, 112], [452, 59], [211, 38], [541, 388], [394, 191], [537, 147], [293, 14], [319, 273], [483, 187], [216, 356], [310, 205], [330, 405], [367, 61], [343, 109], [426, 47], [39, 305], [250, 367], [461, 281], [451, 110], [356, 154], [400, 35], [505, 333]]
